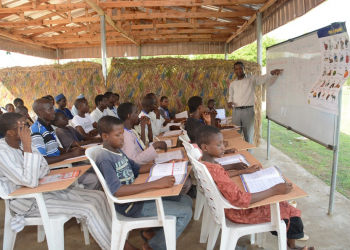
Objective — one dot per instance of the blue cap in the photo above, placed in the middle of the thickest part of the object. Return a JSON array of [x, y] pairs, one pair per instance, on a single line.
[[81, 96], [59, 97]]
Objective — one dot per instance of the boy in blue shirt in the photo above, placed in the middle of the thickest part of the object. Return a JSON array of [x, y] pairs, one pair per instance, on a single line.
[[119, 172]]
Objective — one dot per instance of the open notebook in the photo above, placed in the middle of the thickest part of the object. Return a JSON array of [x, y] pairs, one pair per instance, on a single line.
[[60, 177], [169, 143], [183, 114], [262, 180], [172, 133], [168, 156], [232, 159], [177, 169]]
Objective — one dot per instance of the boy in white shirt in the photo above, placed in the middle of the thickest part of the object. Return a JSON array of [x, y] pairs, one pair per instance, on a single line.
[[101, 105], [83, 121]]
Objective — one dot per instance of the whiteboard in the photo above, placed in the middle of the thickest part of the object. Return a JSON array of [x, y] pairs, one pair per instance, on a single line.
[[286, 102]]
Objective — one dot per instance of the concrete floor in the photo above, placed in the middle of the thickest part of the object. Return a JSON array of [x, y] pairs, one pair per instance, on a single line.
[[326, 232]]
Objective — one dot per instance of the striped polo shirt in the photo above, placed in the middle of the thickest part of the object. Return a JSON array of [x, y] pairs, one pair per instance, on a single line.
[[44, 138]]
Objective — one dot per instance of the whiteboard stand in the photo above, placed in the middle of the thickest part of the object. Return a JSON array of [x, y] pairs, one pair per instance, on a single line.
[[268, 139], [335, 151], [335, 154]]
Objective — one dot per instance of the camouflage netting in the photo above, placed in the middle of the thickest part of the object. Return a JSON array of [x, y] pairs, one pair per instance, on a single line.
[[179, 79], [71, 79]]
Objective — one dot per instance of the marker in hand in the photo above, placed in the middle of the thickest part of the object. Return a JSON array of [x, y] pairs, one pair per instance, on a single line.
[[172, 171]]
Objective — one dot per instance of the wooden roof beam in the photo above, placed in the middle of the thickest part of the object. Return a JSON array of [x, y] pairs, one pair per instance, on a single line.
[[251, 20], [25, 40], [110, 21], [123, 4]]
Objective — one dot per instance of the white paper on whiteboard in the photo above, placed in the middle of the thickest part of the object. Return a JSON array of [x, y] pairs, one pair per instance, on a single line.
[[221, 114]]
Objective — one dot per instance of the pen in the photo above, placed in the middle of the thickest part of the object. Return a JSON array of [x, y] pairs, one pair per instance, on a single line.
[[172, 171], [156, 138], [78, 145]]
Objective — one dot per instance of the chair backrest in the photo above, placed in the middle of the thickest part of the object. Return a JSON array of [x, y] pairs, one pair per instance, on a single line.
[[216, 202], [186, 142], [182, 127], [91, 154]]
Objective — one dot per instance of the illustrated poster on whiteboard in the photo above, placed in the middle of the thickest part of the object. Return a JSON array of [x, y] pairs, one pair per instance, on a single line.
[[335, 52]]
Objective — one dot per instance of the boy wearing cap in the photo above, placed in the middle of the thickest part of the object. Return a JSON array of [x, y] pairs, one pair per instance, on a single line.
[[61, 104], [74, 110]]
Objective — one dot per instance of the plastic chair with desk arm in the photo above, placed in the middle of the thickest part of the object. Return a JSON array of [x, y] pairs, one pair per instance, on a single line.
[[52, 226], [231, 232], [121, 225]]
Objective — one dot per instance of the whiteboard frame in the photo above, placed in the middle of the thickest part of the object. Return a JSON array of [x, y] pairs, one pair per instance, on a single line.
[[328, 146]]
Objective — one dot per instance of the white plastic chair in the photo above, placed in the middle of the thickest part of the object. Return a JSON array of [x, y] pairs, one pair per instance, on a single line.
[[52, 226], [186, 142], [121, 225], [231, 232]]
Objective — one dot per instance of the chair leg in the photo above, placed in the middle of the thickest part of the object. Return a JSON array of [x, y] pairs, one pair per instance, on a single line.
[[282, 236], [261, 239], [226, 238], [213, 236], [57, 231], [9, 235], [200, 199], [86, 233], [170, 234], [206, 223], [41, 233]]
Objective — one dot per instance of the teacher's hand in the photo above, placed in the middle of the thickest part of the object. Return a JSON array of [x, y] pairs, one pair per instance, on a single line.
[[276, 72], [229, 105]]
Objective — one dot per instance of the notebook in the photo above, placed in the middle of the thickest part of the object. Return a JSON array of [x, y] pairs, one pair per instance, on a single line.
[[172, 133], [168, 156], [221, 114], [183, 114], [232, 159], [262, 180], [177, 169], [60, 177], [169, 143]]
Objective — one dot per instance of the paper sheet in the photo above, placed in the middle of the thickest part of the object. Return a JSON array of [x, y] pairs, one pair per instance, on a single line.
[[90, 145], [221, 114], [78, 157], [173, 133], [183, 114], [166, 169], [168, 156], [232, 159], [173, 124]]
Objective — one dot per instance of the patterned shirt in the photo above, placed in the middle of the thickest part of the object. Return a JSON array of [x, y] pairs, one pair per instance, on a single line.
[[118, 170], [242, 199], [164, 113], [44, 138]]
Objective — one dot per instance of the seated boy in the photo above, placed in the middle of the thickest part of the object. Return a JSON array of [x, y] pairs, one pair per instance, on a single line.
[[61, 101], [211, 105], [101, 106], [199, 112], [111, 99], [24, 112], [83, 121], [21, 164], [18, 102], [119, 172], [44, 139], [132, 147], [210, 141], [10, 108], [164, 111], [148, 105], [69, 136], [74, 110], [117, 103]]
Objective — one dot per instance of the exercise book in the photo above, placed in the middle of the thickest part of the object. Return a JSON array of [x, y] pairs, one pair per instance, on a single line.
[[183, 114], [172, 133], [262, 180], [177, 169], [168, 143], [168, 156], [60, 177], [232, 159]]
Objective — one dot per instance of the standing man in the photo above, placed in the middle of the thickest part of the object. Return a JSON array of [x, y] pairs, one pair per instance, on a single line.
[[242, 98]]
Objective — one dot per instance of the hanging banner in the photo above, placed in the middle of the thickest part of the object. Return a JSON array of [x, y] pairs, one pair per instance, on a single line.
[[335, 52]]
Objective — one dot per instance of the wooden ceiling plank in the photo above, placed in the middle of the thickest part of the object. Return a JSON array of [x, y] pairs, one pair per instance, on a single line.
[[251, 20]]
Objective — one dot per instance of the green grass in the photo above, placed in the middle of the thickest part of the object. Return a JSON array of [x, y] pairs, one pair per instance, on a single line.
[[312, 156]]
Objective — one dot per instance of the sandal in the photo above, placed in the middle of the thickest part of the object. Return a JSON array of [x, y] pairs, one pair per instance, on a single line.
[[142, 236]]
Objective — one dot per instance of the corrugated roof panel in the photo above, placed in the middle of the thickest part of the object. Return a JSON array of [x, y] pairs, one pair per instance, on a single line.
[[275, 16], [13, 46]]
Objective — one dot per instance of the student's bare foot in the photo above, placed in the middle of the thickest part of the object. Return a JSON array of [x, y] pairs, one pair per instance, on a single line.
[[147, 234], [146, 247], [128, 246]]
